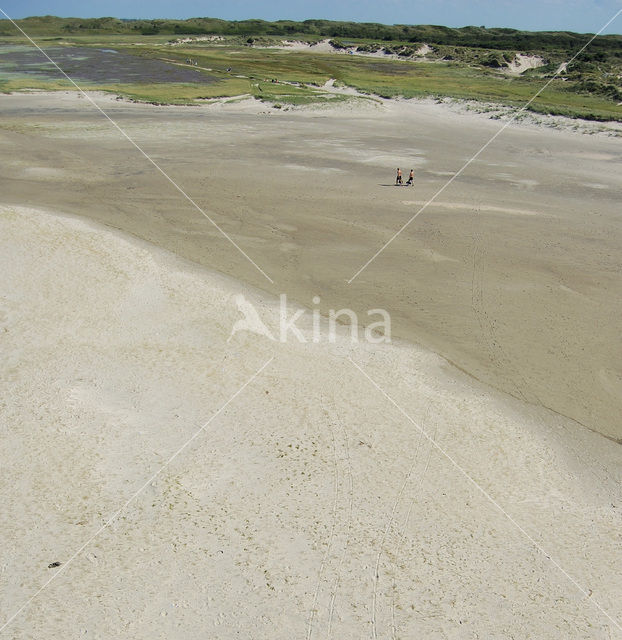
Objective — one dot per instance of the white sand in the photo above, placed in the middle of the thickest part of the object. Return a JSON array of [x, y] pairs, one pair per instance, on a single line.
[[325, 46], [192, 39], [523, 61], [309, 508]]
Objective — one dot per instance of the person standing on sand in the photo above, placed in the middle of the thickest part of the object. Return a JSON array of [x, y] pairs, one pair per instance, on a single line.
[[398, 178], [411, 177]]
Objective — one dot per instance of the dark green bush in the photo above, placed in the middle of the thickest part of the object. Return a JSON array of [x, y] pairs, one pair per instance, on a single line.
[[495, 61]]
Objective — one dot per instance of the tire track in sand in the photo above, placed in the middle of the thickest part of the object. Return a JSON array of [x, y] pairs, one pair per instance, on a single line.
[[398, 550], [349, 525], [326, 555], [388, 525]]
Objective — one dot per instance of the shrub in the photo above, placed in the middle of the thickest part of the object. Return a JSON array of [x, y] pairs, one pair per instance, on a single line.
[[368, 48], [600, 88], [495, 61]]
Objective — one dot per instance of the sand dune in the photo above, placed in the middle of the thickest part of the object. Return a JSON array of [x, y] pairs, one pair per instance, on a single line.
[[325, 46], [311, 506], [523, 61]]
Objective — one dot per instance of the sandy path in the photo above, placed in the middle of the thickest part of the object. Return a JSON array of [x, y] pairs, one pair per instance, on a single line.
[[115, 353]]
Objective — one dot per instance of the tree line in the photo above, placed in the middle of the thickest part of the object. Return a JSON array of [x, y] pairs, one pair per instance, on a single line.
[[472, 36]]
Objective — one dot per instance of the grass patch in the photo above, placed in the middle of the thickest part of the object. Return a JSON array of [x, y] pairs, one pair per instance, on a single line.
[[177, 93], [157, 93], [10, 85]]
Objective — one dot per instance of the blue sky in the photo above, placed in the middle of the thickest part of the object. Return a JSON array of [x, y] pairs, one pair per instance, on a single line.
[[585, 16]]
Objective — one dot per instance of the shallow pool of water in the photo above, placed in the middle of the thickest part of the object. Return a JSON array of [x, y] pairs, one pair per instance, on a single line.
[[94, 65]]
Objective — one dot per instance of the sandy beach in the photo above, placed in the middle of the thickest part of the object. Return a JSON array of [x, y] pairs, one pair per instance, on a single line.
[[310, 506], [513, 274], [462, 481]]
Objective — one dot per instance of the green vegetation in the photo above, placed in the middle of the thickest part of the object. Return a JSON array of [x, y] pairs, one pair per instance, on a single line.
[[469, 63]]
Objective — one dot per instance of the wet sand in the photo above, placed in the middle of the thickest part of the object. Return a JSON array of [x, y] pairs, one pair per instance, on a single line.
[[513, 275]]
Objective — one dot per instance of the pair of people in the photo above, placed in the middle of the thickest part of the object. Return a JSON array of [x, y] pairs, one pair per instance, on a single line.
[[411, 177]]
